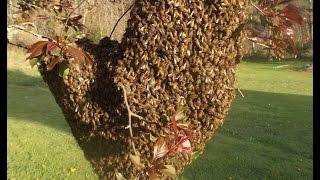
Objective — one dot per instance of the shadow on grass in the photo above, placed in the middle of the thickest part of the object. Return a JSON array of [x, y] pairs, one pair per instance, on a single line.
[[265, 135], [30, 100], [17, 77]]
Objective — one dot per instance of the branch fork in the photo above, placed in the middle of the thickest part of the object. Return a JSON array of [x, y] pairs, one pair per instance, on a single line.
[[130, 114]]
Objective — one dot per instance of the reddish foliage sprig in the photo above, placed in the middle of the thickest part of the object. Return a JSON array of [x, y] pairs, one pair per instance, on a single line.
[[53, 52], [176, 141], [281, 26], [60, 12]]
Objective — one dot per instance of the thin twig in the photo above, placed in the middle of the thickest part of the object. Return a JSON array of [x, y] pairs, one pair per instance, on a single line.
[[229, 88], [240, 92], [130, 114], [30, 32], [258, 43], [257, 8], [18, 45], [114, 27], [66, 23]]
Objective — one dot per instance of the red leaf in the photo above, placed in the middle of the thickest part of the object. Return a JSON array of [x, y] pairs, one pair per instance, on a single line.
[[79, 54], [87, 56], [36, 49], [291, 12], [76, 17], [42, 17], [181, 140], [160, 148], [75, 52], [174, 125], [67, 5], [53, 62], [51, 47], [56, 39], [187, 130]]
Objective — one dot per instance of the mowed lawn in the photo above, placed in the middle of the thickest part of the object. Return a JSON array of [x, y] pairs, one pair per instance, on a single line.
[[267, 135]]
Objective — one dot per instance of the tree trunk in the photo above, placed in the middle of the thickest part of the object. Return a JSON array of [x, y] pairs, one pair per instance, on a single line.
[[171, 55]]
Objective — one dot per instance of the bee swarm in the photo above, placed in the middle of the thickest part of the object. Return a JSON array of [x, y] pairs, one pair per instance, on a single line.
[[173, 54]]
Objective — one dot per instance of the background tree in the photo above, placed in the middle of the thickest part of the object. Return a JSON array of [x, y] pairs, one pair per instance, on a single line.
[[145, 107]]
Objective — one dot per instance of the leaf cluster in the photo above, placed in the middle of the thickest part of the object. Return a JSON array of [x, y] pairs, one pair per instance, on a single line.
[[275, 28]]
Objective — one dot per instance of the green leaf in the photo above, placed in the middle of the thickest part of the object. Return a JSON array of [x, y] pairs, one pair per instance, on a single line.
[[34, 61], [152, 138], [169, 170], [180, 113], [80, 35], [119, 176], [57, 52], [136, 161], [63, 70]]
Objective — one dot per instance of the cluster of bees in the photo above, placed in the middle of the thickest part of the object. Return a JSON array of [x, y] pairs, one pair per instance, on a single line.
[[175, 53]]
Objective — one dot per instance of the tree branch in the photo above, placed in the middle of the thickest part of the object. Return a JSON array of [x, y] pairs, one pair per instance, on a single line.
[[30, 32], [130, 114], [18, 45], [66, 23], [114, 27], [258, 43], [240, 92], [257, 8]]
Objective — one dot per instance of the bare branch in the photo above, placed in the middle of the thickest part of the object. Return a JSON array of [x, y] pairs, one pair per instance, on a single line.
[[66, 23], [240, 92], [130, 114], [230, 88], [255, 6], [18, 45], [258, 43], [25, 30], [114, 27]]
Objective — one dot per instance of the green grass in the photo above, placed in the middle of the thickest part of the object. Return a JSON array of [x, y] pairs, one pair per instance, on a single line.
[[40, 143], [267, 135]]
